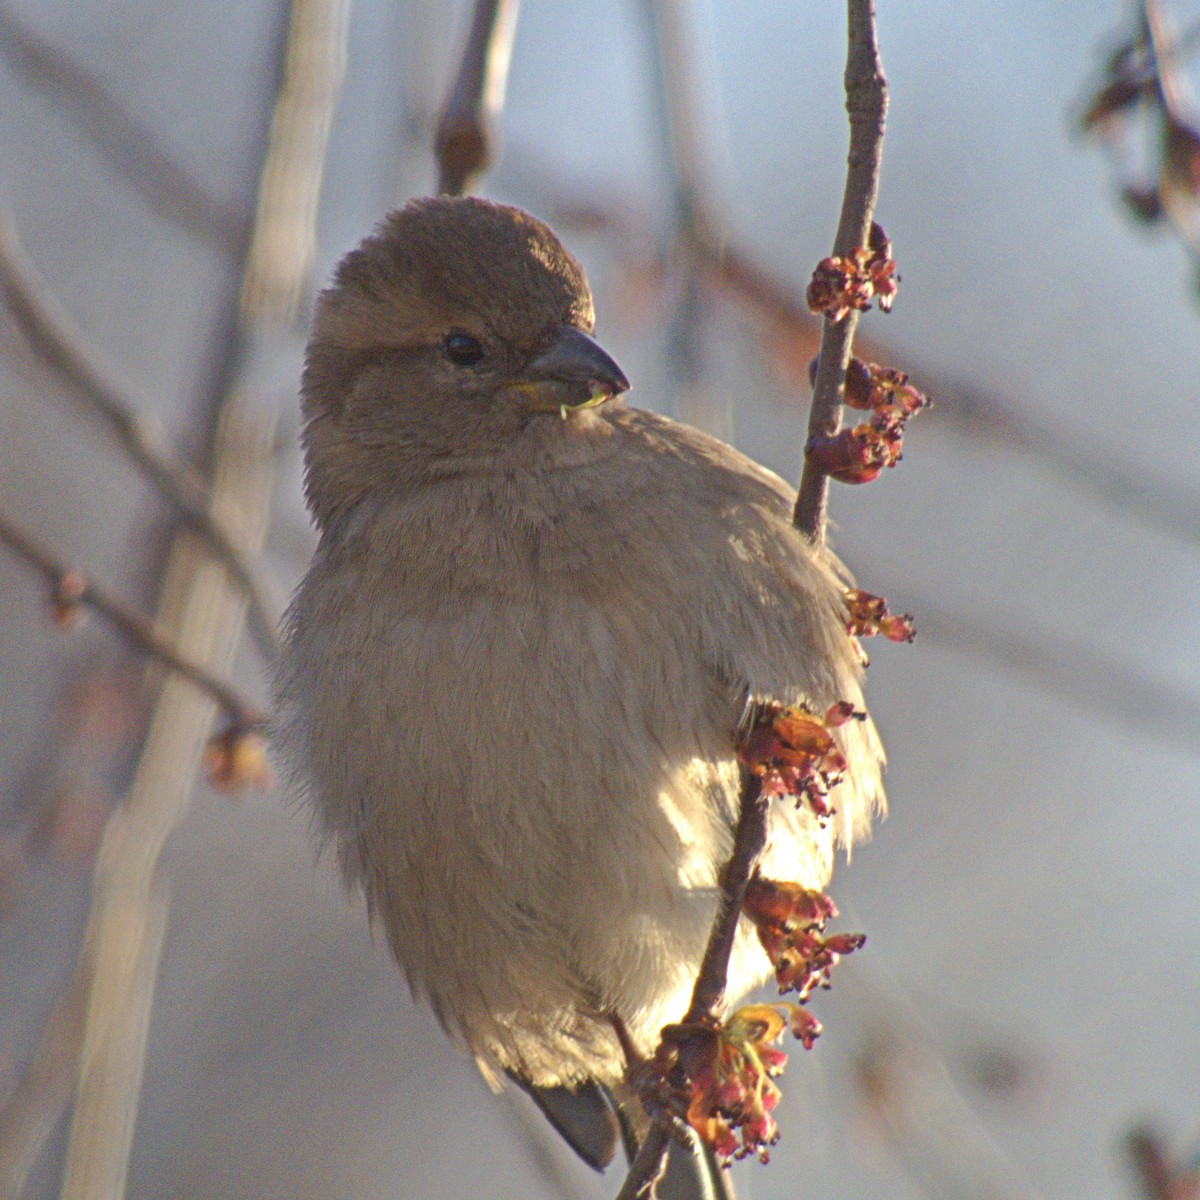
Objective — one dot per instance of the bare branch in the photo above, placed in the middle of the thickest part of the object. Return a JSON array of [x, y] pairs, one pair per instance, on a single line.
[[648, 1165], [30, 1113], [703, 241], [130, 147], [866, 104], [465, 141], [202, 615], [63, 351], [283, 243], [83, 591], [708, 995]]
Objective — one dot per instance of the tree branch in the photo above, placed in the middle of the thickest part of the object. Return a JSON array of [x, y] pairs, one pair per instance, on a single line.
[[62, 349], [708, 995], [80, 590], [130, 147], [866, 105], [465, 141], [284, 231], [202, 614], [648, 1165]]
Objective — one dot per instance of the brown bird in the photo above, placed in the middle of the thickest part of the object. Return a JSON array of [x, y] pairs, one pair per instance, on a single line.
[[516, 668]]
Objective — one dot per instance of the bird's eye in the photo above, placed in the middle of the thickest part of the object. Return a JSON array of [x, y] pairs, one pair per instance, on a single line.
[[462, 348]]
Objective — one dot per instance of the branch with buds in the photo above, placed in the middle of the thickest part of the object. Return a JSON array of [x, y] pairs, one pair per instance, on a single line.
[[63, 351], [713, 1074], [236, 757]]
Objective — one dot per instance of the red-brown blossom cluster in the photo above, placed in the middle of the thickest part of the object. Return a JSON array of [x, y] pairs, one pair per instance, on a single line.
[[843, 284], [794, 753], [868, 615], [855, 455], [791, 922], [730, 1093], [861, 453], [878, 389], [236, 759]]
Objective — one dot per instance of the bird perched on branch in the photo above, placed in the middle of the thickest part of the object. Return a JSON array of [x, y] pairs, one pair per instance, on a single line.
[[515, 671]]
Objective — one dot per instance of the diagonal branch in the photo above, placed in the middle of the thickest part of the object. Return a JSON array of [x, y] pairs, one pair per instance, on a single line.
[[62, 349], [465, 141], [750, 838], [866, 104], [71, 588], [648, 1165], [130, 147]]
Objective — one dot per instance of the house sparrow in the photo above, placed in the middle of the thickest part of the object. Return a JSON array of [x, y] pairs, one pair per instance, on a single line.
[[515, 671]]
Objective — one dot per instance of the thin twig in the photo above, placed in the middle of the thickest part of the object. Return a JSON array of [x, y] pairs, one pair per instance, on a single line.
[[91, 595], [708, 995], [128, 145], [866, 104], [701, 238], [465, 141], [648, 1165], [61, 347]]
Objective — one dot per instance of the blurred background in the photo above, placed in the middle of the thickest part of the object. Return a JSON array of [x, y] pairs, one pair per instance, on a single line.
[[1028, 993]]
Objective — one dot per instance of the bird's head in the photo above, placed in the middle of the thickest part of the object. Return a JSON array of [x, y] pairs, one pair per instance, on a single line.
[[458, 328]]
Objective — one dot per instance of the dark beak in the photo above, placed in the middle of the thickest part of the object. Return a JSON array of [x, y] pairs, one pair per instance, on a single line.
[[573, 372]]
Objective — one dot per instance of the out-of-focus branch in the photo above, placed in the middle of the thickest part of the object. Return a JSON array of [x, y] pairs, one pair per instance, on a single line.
[[70, 588], [866, 104], [201, 615], [1132, 488], [1149, 1158], [679, 99], [1142, 76], [680, 103], [465, 140], [284, 237], [1158, 1176], [129, 146], [1163, 68], [62, 349], [1098, 685], [30, 1113]]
